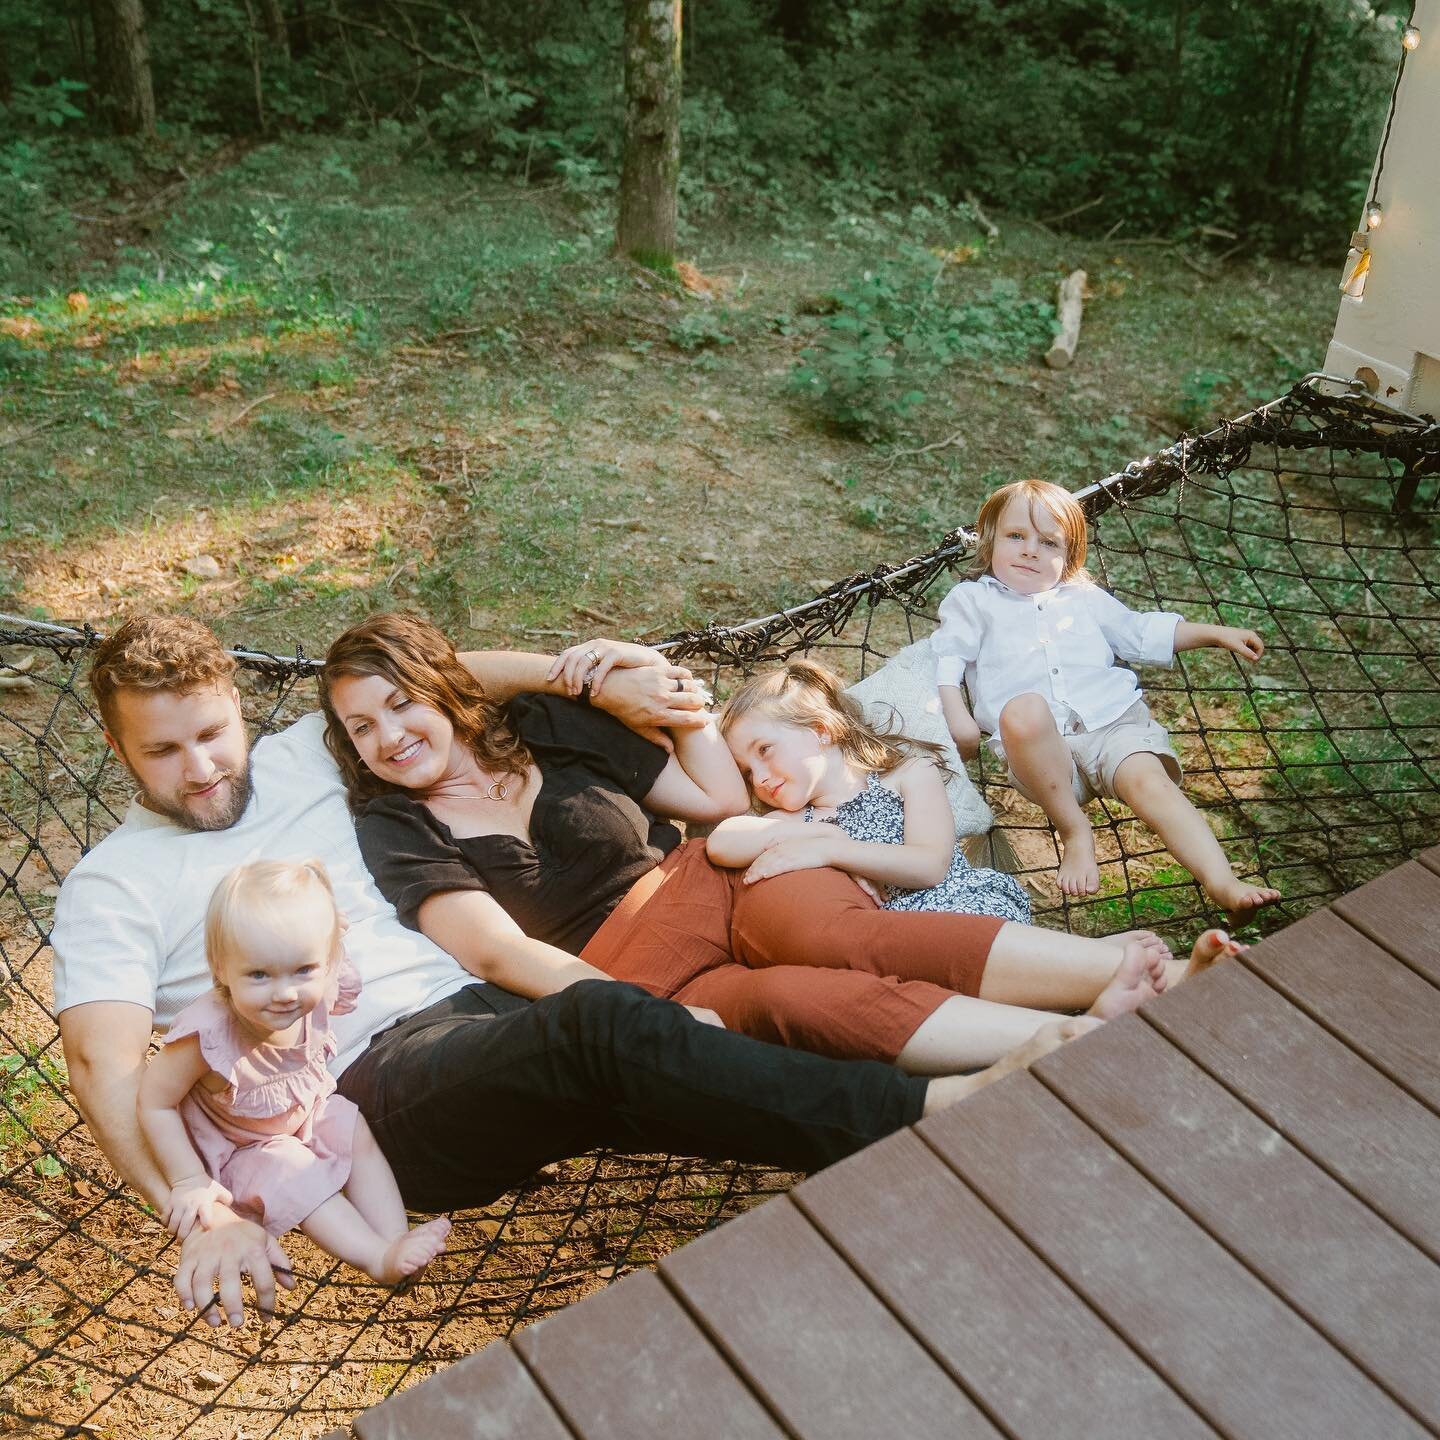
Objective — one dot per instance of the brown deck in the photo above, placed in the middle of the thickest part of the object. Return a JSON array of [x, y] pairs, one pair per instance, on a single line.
[[1220, 1216]]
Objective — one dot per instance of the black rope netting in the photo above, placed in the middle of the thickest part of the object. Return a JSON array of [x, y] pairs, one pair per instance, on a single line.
[[1311, 520]]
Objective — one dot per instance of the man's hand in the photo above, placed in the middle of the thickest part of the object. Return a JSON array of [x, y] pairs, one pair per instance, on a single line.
[[215, 1262], [196, 1200], [1244, 643], [800, 852]]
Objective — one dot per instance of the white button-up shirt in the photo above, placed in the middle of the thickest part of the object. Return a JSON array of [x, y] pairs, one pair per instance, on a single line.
[[1061, 643]]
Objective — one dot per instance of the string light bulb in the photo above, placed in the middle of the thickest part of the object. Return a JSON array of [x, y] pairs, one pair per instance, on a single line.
[[1410, 37], [1373, 215]]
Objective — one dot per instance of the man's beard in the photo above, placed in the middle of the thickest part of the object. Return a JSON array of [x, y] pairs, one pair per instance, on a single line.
[[174, 809]]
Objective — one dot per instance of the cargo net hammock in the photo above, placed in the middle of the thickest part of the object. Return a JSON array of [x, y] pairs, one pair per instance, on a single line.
[[1311, 519]]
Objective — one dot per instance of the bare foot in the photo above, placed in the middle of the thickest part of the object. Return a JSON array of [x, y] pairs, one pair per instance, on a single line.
[[1212, 945], [1148, 938], [1139, 976], [1240, 900], [948, 1089], [1079, 874], [413, 1251]]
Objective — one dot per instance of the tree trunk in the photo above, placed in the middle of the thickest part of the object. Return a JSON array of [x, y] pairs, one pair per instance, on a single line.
[[122, 56], [651, 170], [277, 32]]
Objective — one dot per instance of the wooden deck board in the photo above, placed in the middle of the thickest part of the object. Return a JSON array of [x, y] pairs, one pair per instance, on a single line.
[[1216, 1217], [1400, 911], [629, 1361], [1237, 1352], [956, 1274], [826, 1355], [1356, 1279], [1360, 993], [486, 1396], [1314, 1090]]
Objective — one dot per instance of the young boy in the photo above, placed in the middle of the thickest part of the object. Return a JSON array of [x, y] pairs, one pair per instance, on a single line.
[[1035, 640]]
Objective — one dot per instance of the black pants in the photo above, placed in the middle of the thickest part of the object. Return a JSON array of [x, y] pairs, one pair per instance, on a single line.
[[471, 1096]]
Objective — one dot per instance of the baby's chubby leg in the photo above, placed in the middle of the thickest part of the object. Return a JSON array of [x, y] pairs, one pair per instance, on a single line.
[[1040, 758], [1144, 784], [366, 1225]]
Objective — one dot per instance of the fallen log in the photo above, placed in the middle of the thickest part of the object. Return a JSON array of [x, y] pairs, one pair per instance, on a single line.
[[1069, 307]]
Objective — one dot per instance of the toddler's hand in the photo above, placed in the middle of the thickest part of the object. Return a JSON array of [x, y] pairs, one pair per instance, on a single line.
[[192, 1202], [800, 852], [1244, 643]]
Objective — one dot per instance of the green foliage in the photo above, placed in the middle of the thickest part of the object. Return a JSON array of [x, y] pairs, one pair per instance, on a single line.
[[29, 1082], [1149, 115], [892, 335], [699, 330], [1201, 395]]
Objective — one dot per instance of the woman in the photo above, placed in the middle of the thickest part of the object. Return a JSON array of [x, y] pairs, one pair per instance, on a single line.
[[524, 839]]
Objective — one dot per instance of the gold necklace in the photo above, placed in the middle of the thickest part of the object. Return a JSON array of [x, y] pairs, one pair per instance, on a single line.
[[497, 790]]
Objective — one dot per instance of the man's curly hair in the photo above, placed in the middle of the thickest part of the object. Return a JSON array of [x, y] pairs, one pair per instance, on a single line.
[[156, 653]]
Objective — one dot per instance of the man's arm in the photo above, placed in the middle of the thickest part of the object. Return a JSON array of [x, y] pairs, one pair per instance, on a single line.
[[105, 1046], [642, 696]]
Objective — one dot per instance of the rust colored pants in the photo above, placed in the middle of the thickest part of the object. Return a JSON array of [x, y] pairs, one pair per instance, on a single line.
[[806, 959]]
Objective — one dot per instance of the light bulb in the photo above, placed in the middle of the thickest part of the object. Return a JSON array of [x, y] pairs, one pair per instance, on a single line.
[[1410, 37], [1373, 215]]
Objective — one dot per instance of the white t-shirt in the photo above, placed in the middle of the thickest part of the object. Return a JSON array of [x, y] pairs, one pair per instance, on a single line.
[[130, 921], [1061, 644]]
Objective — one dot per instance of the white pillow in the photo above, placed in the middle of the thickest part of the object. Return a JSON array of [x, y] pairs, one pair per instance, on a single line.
[[906, 685]]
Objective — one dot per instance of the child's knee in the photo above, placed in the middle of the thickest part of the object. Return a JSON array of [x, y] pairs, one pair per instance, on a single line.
[[1143, 776], [1025, 718]]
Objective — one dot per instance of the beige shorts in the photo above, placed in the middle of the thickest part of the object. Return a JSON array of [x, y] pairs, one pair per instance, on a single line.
[[1095, 755]]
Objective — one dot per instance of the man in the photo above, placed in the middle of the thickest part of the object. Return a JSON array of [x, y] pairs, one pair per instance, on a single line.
[[491, 1085]]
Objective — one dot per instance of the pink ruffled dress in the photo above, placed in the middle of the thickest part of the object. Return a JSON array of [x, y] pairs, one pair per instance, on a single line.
[[278, 1137]]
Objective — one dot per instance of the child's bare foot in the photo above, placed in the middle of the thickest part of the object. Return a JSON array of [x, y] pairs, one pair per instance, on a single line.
[[1212, 945], [1139, 976], [946, 1090], [1148, 938], [413, 1251], [1240, 900], [1079, 874]]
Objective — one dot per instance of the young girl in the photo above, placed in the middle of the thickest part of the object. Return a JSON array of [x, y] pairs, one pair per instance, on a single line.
[[1035, 641], [239, 1106], [808, 751]]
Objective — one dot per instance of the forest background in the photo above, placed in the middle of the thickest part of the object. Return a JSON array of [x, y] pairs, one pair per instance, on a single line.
[[328, 315]]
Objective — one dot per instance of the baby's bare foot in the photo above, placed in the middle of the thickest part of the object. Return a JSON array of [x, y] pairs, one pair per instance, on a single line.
[[413, 1251], [1139, 976], [1212, 945], [1079, 874]]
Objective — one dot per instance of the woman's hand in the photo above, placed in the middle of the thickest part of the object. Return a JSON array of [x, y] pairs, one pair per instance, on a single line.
[[797, 852], [195, 1201], [593, 660]]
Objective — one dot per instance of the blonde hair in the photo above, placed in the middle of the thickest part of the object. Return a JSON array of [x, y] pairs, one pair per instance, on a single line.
[[261, 893], [806, 694], [1059, 502]]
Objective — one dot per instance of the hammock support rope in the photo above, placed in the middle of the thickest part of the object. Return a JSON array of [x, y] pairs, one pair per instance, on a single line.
[[1311, 519]]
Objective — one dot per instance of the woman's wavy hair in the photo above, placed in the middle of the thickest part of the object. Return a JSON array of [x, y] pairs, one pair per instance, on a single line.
[[1066, 509], [419, 661], [804, 693]]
